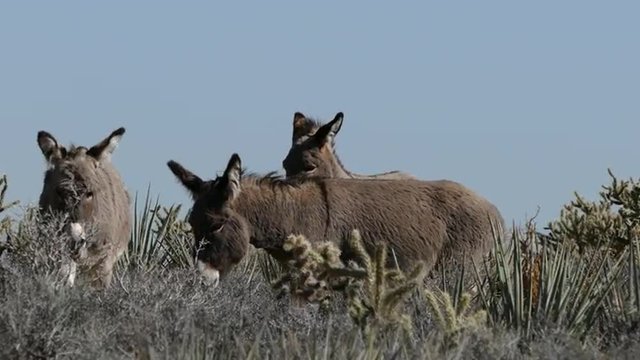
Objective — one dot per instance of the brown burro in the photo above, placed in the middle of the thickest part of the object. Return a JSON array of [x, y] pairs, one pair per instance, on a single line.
[[83, 184], [419, 220], [312, 151]]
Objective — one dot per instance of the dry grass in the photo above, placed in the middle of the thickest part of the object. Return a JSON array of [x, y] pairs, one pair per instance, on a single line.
[[526, 305]]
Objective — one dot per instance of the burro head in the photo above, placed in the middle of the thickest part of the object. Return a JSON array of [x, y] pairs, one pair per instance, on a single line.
[[221, 235], [311, 152], [75, 182]]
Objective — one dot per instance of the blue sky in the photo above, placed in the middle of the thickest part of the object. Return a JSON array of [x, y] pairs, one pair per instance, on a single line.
[[523, 102]]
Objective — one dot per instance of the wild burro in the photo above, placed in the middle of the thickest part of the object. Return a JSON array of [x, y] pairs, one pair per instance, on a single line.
[[419, 220], [312, 151], [83, 184]]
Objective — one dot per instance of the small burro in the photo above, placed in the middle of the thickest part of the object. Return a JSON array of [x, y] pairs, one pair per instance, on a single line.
[[313, 152], [82, 184], [418, 220]]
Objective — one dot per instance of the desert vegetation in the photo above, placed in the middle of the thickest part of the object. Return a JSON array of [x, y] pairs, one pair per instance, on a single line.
[[569, 289]]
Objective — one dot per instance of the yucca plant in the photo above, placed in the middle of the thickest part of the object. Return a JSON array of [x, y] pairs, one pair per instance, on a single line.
[[547, 287], [159, 239], [176, 237], [144, 247], [611, 223]]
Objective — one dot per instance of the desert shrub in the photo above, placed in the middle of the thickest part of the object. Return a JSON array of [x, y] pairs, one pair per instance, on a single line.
[[147, 310], [5, 222], [4, 185], [580, 280], [38, 245], [612, 220], [608, 225], [573, 293]]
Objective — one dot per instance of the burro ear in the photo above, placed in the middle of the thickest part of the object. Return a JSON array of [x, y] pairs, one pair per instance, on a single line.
[[300, 127], [50, 148], [102, 151], [191, 181], [327, 131], [232, 176]]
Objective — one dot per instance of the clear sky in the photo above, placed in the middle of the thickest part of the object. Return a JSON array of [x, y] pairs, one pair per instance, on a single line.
[[524, 102]]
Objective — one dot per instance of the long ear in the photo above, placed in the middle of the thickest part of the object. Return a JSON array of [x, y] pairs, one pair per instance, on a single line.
[[103, 150], [191, 181], [329, 130], [49, 146], [300, 126], [232, 177]]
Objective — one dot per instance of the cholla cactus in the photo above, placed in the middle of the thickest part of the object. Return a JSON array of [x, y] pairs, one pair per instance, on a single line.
[[373, 291], [377, 301], [613, 220], [312, 273], [452, 322]]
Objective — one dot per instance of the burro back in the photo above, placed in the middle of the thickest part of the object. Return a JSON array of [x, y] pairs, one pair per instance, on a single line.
[[83, 184], [312, 152], [419, 220]]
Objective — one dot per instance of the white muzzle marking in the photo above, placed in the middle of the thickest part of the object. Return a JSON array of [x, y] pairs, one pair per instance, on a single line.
[[76, 230], [209, 273]]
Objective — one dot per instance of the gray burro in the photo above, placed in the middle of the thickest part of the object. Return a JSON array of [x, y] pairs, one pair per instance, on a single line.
[[419, 220], [83, 184]]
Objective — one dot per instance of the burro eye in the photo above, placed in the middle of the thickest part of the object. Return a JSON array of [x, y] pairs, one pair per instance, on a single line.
[[88, 195]]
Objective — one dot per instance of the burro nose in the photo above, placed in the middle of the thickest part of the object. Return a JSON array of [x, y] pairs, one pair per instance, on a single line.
[[211, 275]]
